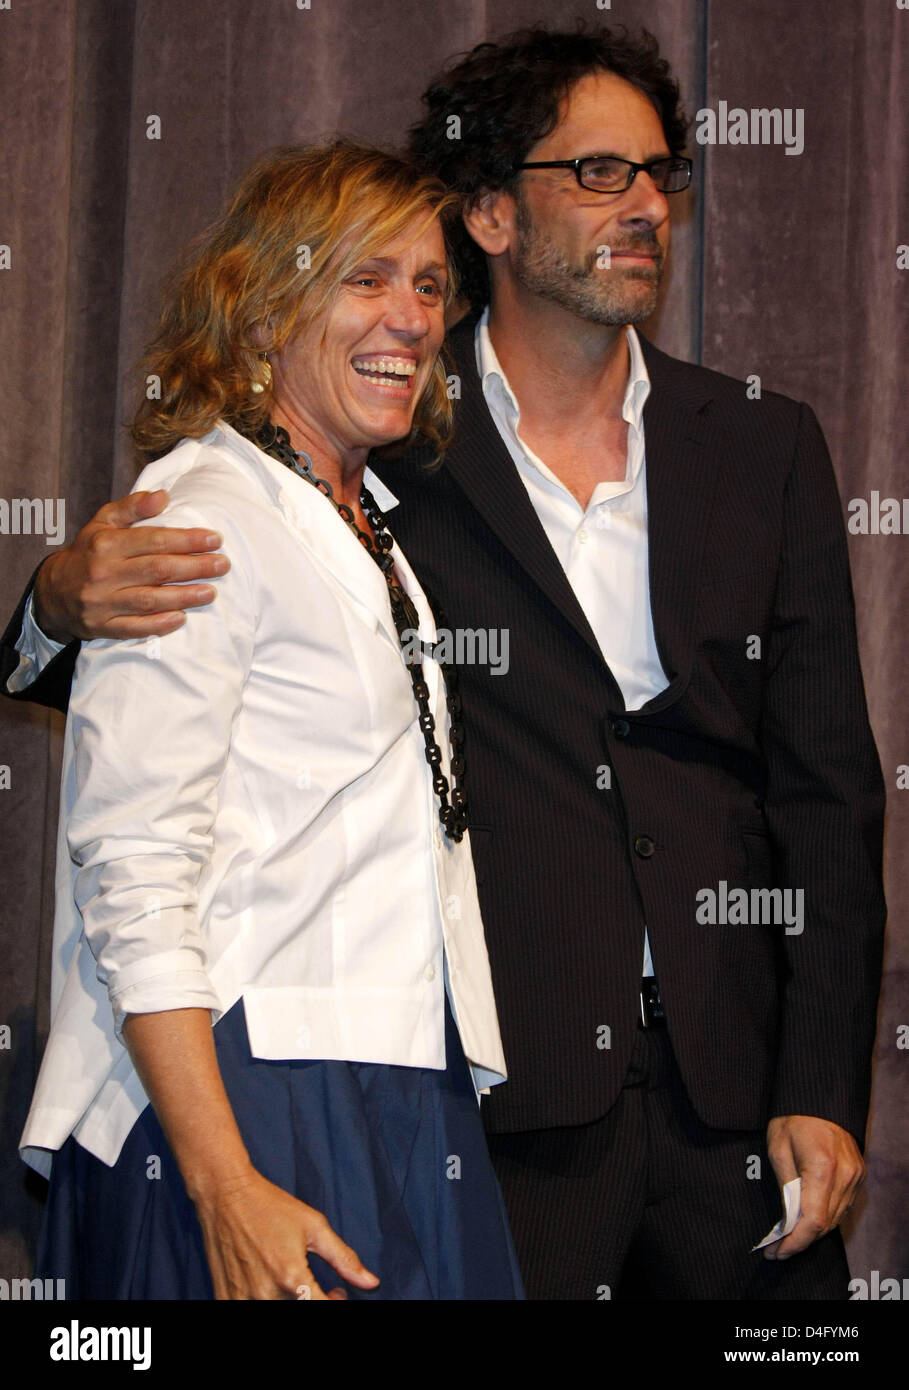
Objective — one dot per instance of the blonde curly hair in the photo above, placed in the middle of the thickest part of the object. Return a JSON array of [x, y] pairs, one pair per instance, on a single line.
[[342, 202]]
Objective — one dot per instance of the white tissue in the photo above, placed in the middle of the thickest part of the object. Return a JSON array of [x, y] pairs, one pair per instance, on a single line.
[[792, 1208]]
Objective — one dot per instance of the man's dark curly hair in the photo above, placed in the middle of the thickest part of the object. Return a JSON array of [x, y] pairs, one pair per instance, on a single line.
[[507, 96]]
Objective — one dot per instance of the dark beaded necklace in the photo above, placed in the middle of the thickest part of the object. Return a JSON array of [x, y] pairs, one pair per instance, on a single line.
[[275, 441]]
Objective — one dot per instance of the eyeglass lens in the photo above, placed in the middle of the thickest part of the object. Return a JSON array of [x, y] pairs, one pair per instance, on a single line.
[[669, 175]]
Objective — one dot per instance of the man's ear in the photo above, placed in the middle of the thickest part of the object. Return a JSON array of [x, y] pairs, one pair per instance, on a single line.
[[490, 220]]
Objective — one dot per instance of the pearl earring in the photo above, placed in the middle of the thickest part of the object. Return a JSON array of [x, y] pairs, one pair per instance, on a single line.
[[264, 378]]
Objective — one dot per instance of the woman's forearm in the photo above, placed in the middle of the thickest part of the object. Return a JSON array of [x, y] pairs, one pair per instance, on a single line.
[[257, 1236], [174, 1055]]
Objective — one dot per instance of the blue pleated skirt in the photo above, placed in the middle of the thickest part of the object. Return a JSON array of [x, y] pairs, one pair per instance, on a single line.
[[395, 1158]]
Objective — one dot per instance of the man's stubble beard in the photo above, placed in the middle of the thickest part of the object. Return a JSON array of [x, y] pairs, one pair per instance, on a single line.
[[597, 295]]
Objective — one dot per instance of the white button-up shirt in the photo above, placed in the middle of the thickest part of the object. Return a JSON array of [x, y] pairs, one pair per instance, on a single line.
[[247, 811], [36, 650], [603, 548]]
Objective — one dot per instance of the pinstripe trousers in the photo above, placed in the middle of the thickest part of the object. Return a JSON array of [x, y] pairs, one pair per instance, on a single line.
[[648, 1203]]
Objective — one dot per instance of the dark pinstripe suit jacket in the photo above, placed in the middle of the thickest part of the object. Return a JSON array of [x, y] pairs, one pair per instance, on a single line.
[[757, 771]]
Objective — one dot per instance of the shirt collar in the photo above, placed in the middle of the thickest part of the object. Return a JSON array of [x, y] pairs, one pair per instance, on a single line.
[[492, 377], [383, 495]]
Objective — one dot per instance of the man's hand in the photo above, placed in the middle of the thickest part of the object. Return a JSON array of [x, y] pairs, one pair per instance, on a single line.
[[827, 1160], [117, 582]]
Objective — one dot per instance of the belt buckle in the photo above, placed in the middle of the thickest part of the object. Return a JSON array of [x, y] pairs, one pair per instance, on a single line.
[[652, 1015]]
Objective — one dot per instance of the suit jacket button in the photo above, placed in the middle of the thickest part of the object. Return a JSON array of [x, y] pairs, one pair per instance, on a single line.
[[643, 846], [620, 727]]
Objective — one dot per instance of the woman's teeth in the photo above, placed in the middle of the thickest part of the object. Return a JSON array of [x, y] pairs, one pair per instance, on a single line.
[[386, 371]]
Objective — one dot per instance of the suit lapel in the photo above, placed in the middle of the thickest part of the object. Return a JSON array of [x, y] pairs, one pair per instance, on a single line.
[[683, 444]]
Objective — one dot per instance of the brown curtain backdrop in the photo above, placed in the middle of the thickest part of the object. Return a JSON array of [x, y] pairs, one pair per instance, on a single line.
[[784, 267]]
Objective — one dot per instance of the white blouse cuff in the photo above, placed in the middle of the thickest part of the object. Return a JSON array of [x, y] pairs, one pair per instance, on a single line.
[[169, 989]]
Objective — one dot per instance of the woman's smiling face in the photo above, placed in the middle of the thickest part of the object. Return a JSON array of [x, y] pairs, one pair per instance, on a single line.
[[355, 376]]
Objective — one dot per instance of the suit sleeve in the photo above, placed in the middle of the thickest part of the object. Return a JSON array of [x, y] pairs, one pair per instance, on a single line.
[[51, 685], [824, 806]]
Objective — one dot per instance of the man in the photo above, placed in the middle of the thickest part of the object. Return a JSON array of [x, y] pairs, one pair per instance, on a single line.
[[677, 766]]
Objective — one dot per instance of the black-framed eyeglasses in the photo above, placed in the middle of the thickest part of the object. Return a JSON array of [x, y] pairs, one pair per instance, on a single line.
[[608, 174]]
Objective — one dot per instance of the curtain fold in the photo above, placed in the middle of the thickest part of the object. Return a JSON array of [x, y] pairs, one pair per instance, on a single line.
[[125, 124], [802, 288]]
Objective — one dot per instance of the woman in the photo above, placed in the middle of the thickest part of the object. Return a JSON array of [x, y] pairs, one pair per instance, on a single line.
[[264, 822]]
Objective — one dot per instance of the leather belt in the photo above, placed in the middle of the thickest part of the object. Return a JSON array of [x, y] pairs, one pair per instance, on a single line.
[[652, 1015]]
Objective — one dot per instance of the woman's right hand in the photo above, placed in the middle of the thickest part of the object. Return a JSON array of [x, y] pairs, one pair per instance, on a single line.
[[257, 1238], [256, 1235]]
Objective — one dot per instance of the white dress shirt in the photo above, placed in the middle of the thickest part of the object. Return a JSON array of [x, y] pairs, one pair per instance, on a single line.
[[36, 650], [247, 811], [603, 548]]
